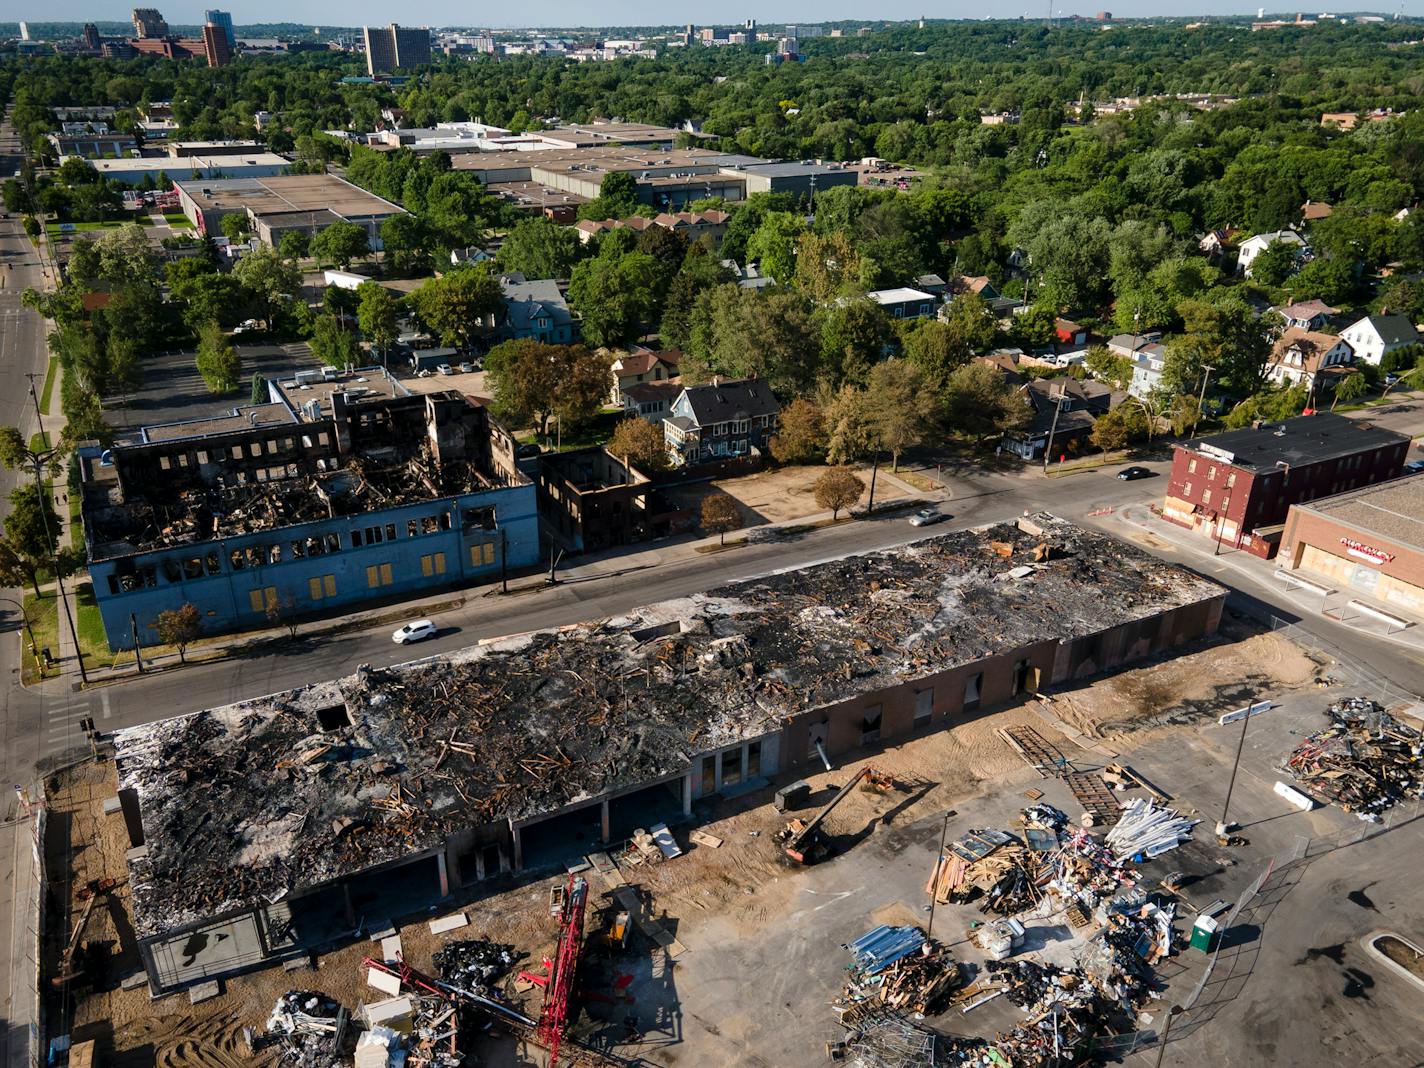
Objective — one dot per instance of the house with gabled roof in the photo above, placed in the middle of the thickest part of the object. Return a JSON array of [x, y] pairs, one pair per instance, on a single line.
[[535, 310], [1375, 336], [1299, 356], [721, 420]]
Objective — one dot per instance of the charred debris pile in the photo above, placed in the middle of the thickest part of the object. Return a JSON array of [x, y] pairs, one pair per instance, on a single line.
[[249, 803]]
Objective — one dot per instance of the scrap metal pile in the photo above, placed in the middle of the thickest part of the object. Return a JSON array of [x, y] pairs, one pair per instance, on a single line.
[[309, 1028], [876, 1037], [1366, 761], [475, 964], [898, 968]]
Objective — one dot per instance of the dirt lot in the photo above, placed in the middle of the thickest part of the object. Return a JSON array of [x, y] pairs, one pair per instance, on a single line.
[[741, 887], [779, 494]]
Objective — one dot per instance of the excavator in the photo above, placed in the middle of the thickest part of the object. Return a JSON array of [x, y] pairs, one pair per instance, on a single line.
[[802, 841]]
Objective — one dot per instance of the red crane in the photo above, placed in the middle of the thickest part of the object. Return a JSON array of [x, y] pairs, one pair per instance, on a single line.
[[563, 969]]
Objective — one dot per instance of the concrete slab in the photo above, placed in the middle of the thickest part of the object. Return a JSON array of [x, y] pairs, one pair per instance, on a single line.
[[204, 992], [449, 923]]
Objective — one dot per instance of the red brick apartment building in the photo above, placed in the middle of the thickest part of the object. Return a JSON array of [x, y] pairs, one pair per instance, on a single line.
[[1238, 486]]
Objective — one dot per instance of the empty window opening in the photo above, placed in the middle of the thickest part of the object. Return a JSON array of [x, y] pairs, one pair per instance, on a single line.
[[870, 726], [971, 691], [924, 706]]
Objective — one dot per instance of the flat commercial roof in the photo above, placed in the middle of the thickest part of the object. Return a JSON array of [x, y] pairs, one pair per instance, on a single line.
[[594, 159], [168, 163], [267, 798], [1306, 439], [271, 414], [286, 193], [1393, 510]]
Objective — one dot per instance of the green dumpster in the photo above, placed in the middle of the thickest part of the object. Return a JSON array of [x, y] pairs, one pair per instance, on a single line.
[[1204, 934]]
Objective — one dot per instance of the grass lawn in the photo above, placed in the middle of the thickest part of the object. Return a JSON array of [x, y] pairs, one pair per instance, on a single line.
[[39, 441], [177, 220], [50, 372], [54, 231], [43, 614], [92, 637]]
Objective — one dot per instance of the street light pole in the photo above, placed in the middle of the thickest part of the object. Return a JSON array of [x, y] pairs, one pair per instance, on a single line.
[[1224, 826], [874, 469], [934, 881], [25, 620], [1207, 369]]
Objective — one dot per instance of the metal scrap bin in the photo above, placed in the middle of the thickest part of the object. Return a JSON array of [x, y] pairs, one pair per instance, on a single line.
[[1205, 934], [793, 796]]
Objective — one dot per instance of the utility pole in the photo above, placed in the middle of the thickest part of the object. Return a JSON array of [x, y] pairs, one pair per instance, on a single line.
[[1207, 369], [503, 560], [1224, 826], [138, 649], [51, 537], [934, 880], [874, 470], [1053, 429]]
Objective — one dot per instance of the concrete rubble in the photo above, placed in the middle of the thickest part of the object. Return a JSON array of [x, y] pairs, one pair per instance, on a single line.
[[310, 1030], [1366, 761]]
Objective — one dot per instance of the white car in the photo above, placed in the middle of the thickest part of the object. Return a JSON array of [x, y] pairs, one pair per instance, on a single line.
[[926, 517], [445, 369], [466, 368], [417, 631]]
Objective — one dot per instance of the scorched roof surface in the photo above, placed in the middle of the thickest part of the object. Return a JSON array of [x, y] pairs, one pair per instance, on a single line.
[[257, 801]]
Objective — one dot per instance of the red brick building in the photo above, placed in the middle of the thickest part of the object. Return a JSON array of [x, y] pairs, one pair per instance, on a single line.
[[1238, 486]]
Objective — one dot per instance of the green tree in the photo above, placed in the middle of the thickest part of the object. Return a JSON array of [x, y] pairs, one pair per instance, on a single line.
[[340, 243], [826, 265], [207, 298], [854, 335], [269, 278], [295, 245], [615, 296], [235, 227], [1110, 430], [378, 314], [936, 348], [979, 402], [970, 319], [179, 627], [1107, 365], [801, 436], [902, 407], [774, 245], [1274, 263], [406, 241], [534, 381], [1329, 280], [641, 443], [743, 333], [259, 389], [838, 488], [460, 306], [333, 344], [1185, 413], [1352, 387], [217, 361], [537, 247], [700, 272], [32, 529], [617, 198]]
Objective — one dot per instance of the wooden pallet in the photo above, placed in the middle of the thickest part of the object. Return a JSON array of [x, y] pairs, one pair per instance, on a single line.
[[1036, 750], [1094, 796]]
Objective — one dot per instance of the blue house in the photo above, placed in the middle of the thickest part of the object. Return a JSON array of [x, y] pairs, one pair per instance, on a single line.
[[534, 310], [342, 489], [905, 303]]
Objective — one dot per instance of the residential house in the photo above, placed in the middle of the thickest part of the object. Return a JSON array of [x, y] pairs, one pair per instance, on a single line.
[[1148, 363], [691, 224], [905, 303], [1375, 336], [1254, 246], [1129, 345], [749, 277], [472, 254], [1306, 314], [1007, 362], [1299, 356], [977, 284], [1313, 211], [933, 284], [1216, 243], [642, 365], [721, 420], [534, 309], [1079, 404], [1070, 333], [651, 400]]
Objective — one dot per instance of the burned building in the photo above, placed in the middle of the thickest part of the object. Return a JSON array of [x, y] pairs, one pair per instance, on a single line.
[[341, 489], [259, 827]]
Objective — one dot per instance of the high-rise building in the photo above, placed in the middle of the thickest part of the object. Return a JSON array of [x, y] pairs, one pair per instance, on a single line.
[[149, 22], [224, 20], [24, 31], [395, 48], [92, 41], [215, 44]]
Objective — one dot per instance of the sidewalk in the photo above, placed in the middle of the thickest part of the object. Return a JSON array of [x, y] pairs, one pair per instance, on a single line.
[[1264, 572], [612, 563]]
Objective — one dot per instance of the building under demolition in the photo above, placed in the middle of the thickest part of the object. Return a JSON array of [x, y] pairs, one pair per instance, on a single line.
[[342, 488], [276, 824]]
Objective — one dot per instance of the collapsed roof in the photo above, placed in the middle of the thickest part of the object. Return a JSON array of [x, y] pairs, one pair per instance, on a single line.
[[262, 799]]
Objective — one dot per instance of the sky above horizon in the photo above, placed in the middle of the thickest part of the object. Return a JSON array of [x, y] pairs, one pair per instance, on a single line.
[[610, 13]]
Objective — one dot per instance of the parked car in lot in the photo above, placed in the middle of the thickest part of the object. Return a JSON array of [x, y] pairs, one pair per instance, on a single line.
[[415, 631], [1414, 466], [1129, 474], [445, 369], [466, 367], [927, 517]]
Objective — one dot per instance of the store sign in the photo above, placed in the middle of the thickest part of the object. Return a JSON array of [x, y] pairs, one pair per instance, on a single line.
[[1367, 553]]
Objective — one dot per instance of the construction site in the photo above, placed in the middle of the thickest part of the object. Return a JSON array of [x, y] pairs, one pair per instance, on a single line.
[[1032, 884], [292, 504]]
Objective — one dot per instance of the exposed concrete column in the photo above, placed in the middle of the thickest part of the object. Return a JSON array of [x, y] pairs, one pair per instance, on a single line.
[[350, 907], [444, 873], [687, 794], [607, 821], [518, 848]]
